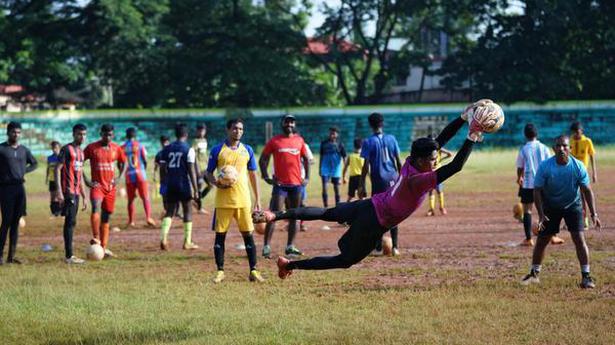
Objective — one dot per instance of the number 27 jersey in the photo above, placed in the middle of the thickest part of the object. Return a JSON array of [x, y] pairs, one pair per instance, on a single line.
[[177, 156]]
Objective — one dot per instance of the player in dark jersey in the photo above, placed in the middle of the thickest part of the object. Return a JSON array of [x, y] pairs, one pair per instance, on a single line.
[[68, 176], [370, 219], [177, 162], [52, 162], [15, 161]]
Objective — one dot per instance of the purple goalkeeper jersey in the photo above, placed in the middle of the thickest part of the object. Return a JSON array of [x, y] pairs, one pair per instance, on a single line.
[[405, 196]]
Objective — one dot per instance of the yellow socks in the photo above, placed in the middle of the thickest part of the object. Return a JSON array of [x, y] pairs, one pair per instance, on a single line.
[[165, 227], [188, 232]]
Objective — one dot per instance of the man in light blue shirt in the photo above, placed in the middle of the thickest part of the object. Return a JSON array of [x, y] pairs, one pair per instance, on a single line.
[[556, 196]]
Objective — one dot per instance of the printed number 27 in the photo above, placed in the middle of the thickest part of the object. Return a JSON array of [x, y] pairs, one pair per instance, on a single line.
[[175, 159]]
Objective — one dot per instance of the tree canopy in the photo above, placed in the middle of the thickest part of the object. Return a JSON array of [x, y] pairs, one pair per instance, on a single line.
[[244, 53]]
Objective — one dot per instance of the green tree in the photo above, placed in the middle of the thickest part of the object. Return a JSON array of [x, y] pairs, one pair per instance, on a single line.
[[237, 54], [126, 46], [555, 49], [37, 49]]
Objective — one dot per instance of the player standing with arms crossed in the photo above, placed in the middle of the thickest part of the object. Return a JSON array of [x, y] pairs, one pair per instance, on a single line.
[[381, 154], [68, 175], [177, 162], [136, 177], [15, 161], [234, 202], [103, 155], [288, 150]]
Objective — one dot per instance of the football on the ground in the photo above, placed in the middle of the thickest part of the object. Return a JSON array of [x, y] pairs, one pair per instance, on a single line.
[[518, 212], [487, 114], [228, 175], [387, 246], [260, 228], [535, 229], [95, 252]]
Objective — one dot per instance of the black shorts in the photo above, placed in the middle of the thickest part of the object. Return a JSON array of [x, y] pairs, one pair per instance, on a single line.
[[353, 185], [379, 186], [52, 187], [177, 196], [364, 233], [526, 195], [573, 216]]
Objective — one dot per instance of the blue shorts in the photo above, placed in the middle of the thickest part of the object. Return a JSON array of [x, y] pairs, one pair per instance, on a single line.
[[333, 179], [286, 190], [439, 188], [303, 193], [163, 189]]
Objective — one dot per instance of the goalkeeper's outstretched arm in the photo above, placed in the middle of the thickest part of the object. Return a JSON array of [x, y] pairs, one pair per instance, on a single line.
[[450, 130], [458, 162]]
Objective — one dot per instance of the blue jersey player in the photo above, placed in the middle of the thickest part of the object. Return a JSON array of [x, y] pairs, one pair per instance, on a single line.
[[177, 162], [381, 154]]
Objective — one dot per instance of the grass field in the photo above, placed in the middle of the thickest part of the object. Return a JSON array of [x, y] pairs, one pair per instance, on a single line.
[[455, 283]]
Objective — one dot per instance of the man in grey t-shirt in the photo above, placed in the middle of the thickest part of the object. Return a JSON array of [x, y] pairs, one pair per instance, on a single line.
[[15, 161]]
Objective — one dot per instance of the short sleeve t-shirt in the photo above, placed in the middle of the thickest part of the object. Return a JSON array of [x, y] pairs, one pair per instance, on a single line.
[[582, 149], [405, 196], [136, 156], [355, 164], [200, 149], [102, 162], [242, 158], [72, 169], [529, 158], [52, 162], [381, 150], [331, 156], [287, 153], [176, 157], [560, 183]]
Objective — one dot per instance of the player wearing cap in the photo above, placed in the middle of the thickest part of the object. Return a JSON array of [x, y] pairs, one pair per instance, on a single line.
[[287, 149]]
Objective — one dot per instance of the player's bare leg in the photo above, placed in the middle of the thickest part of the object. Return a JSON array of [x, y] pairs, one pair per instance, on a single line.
[[95, 221], [578, 238], [294, 200]]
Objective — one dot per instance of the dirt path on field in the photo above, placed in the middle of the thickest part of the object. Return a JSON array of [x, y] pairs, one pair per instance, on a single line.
[[479, 234]]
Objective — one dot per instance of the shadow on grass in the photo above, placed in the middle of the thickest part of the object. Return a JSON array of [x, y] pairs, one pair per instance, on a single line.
[[132, 337]]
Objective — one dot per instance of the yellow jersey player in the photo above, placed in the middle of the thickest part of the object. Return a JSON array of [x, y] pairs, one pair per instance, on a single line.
[[582, 148], [233, 201], [354, 165], [442, 155]]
